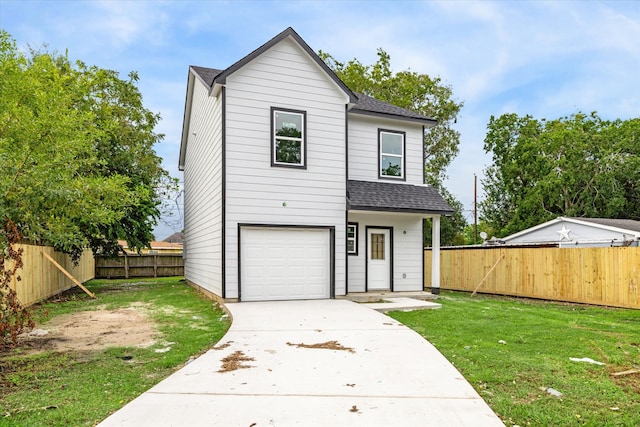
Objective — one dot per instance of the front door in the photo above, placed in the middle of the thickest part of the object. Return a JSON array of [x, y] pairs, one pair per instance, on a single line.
[[378, 259]]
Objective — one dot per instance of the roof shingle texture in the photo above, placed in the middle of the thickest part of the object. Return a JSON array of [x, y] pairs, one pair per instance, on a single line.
[[206, 74], [396, 197], [372, 105], [365, 103]]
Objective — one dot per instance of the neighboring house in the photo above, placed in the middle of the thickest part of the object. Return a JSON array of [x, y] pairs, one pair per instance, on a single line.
[[175, 238], [156, 248], [298, 188], [580, 232]]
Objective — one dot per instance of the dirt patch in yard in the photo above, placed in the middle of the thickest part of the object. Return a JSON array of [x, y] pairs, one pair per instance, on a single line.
[[94, 330]]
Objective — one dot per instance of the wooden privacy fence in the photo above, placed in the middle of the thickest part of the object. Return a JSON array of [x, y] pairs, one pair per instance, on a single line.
[[42, 279], [143, 265], [602, 276]]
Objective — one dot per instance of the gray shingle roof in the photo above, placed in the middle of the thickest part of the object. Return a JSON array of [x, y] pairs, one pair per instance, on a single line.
[[369, 105], [221, 75], [363, 104], [386, 196], [207, 75], [175, 238], [626, 224]]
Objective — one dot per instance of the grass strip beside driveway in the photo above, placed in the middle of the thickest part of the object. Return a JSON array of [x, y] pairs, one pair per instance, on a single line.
[[517, 354], [42, 384]]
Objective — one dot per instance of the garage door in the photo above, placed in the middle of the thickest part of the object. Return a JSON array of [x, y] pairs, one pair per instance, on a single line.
[[284, 264]]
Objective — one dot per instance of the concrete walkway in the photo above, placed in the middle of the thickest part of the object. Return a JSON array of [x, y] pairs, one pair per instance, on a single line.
[[312, 363]]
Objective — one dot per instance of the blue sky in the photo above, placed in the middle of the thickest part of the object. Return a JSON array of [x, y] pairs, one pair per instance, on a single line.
[[547, 59]]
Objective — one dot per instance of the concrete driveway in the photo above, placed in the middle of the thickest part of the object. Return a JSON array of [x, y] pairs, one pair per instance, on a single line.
[[312, 363]]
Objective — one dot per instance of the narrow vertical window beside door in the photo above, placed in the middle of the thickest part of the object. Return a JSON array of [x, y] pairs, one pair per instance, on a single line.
[[352, 238]]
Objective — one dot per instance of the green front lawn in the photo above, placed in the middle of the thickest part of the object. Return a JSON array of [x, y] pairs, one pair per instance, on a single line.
[[513, 350], [41, 386]]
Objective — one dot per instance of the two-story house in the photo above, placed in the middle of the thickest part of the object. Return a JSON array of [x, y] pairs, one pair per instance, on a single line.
[[295, 187]]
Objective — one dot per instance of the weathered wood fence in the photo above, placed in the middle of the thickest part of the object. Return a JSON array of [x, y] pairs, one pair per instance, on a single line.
[[143, 265], [41, 279], [602, 276]]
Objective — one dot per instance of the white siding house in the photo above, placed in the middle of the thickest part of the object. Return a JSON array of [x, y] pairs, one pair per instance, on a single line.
[[580, 232], [272, 147], [202, 165]]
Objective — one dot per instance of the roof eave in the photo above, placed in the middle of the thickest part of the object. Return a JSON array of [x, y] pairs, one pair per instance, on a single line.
[[186, 121], [425, 121], [221, 79], [400, 210]]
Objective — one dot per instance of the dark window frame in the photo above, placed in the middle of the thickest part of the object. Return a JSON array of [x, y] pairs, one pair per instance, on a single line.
[[403, 177], [303, 144], [355, 238]]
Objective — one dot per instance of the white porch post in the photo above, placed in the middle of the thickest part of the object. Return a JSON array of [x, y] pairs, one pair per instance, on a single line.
[[435, 255]]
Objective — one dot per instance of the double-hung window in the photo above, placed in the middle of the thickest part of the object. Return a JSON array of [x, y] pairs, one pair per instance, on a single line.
[[288, 138], [392, 154], [352, 238]]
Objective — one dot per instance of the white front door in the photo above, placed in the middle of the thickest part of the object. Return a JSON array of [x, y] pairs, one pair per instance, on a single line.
[[378, 259]]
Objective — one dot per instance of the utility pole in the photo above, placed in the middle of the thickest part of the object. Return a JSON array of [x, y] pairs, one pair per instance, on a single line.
[[475, 209]]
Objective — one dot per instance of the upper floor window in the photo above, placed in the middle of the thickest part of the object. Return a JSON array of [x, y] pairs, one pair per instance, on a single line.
[[392, 147], [288, 138]]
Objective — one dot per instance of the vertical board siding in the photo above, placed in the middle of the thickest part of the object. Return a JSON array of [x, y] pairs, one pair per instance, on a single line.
[[203, 192], [407, 251], [257, 193], [363, 148], [601, 276], [40, 279]]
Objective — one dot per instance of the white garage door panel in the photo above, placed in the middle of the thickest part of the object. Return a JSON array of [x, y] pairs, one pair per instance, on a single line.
[[284, 264]]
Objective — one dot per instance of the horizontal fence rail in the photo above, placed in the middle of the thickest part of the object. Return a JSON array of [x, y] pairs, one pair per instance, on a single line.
[[601, 276], [41, 279], [143, 265]]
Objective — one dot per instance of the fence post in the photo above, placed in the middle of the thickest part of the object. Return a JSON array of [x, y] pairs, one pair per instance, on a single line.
[[155, 265], [126, 266]]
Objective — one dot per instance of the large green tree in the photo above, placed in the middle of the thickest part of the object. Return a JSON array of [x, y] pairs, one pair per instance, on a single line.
[[579, 166], [76, 153], [425, 95]]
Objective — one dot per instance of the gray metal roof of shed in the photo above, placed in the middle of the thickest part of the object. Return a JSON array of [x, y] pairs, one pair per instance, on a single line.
[[626, 224]]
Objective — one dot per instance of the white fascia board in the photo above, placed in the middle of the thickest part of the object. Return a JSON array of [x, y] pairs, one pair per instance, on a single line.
[[215, 90], [534, 228], [186, 120], [603, 227]]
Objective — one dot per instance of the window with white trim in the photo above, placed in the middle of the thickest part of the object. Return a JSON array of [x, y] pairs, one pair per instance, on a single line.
[[352, 238], [391, 146], [288, 137]]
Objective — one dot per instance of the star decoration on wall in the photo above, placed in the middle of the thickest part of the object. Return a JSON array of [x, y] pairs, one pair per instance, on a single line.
[[564, 233]]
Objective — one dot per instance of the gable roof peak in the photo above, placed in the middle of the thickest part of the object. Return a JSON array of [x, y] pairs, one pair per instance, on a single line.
[[221, 77]]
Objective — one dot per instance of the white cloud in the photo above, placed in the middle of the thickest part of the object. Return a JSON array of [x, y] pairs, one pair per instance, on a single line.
[[548, 59]]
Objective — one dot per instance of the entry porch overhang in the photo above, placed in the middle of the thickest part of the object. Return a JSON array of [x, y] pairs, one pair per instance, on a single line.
[[402, 199], [394, 197]]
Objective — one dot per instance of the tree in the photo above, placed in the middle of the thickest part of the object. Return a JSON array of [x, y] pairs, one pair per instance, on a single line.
[[76, 151], [578, 166], [451, 227], [422, 94], [77, 161]]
